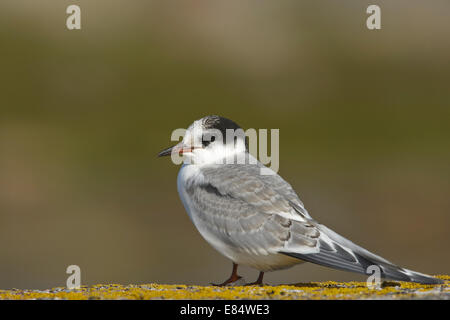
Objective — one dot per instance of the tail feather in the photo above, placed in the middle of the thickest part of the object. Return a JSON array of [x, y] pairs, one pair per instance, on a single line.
[[361, 264], [339, 253]]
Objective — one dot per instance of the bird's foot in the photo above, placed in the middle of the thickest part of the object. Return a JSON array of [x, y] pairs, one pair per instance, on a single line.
[[258, 282]]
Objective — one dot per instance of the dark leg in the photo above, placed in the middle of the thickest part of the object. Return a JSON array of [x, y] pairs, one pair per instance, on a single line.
[[259, 281], [234, 277]]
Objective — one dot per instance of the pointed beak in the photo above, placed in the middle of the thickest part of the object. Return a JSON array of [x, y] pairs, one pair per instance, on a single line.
[[166, 152], [177, 149]]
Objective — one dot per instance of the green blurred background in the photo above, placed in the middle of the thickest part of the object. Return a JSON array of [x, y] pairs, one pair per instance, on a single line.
[[364, 119]]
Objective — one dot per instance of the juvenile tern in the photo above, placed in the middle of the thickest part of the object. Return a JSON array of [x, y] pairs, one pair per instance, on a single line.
[[258, 220]]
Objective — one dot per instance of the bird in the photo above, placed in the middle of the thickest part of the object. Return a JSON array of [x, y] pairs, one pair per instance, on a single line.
[[258, 220]]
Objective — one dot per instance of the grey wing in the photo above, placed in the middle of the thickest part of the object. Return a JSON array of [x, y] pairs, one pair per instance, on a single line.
[[262, 214], [283, 188], [245, 212], [244, 180]]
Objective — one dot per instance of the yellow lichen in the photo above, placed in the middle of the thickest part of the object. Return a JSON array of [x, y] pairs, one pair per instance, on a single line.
[[312, 290]]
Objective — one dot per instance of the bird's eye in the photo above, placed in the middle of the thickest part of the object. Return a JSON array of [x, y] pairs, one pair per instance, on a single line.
[[207, 141]]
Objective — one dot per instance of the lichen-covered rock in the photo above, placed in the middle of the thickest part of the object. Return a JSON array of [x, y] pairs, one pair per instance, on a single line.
[[313, 290]]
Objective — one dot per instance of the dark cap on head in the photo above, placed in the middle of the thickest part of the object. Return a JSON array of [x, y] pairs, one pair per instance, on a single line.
[[222, 124], [219, 123]]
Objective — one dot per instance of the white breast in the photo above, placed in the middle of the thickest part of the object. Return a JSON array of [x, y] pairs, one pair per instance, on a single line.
[[186, 173]]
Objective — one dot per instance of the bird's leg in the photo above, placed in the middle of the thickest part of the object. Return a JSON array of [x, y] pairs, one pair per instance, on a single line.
[[258, 282], [234, 277]]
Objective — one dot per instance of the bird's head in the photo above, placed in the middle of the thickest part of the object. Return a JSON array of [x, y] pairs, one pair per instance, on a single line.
[[209, 140]]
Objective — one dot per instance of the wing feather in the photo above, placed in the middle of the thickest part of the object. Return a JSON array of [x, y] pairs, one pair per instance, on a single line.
[[261, 214], [241, 208]]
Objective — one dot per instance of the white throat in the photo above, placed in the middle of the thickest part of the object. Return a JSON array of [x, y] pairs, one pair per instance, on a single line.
[[217, 154]]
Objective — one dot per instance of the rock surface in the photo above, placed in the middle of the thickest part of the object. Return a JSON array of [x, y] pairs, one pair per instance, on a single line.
[[313, 290]]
